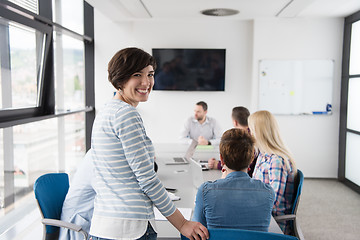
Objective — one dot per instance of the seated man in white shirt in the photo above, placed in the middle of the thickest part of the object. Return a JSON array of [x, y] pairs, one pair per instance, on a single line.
[[78, 206], [201, 128]]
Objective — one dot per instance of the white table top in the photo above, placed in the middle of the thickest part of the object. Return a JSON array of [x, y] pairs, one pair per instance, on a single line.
[[182, 181]]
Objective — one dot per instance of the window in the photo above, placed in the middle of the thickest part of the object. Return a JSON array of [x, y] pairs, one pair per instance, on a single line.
[[69, 14], [353, 112], [46, 95], [31, 5], [349, 111], [21, 65], [352, 158], [69, 73], [355, 49]]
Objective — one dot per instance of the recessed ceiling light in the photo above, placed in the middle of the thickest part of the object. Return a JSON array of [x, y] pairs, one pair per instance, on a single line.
[[219, 12]]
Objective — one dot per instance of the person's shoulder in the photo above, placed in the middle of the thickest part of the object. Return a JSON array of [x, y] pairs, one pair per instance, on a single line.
[[261, 185], [271, 157], [212, 184], [191, 118], [211, 119], [276, 161], [121, 109]]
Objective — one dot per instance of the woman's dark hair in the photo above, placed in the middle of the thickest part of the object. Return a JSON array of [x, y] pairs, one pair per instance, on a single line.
[[127, 62], [241, 115], [237, 149]]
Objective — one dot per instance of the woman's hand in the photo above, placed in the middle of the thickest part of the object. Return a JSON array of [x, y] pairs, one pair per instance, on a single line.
[[194, 231], [190, 229]]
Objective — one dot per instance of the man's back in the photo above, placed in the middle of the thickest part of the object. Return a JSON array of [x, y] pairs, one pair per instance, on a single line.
[[235, 202], [79, 202]]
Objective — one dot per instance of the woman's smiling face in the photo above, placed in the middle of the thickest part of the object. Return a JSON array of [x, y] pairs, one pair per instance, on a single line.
[[139, 86]]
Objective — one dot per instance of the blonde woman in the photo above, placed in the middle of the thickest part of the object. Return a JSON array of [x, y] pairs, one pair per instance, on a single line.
[[275, 164]]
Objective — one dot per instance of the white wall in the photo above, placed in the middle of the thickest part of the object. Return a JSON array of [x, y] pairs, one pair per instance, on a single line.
[[165, 113], [109, 38], [312, 139]]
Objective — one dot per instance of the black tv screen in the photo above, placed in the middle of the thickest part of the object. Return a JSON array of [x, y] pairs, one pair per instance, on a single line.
[[189, 69]]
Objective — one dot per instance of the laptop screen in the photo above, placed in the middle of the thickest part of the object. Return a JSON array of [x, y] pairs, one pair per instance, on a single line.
[[191, 150]]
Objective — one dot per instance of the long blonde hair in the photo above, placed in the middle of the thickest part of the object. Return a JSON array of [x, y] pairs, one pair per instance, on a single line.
[[265, 129]]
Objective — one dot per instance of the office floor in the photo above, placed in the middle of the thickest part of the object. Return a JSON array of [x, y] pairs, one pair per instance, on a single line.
[[328, 210]]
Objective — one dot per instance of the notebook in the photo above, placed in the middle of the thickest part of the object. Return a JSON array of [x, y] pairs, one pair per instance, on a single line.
[[185, 159]]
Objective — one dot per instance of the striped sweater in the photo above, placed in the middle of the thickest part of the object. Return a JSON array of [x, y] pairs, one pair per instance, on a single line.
[[123, 156]]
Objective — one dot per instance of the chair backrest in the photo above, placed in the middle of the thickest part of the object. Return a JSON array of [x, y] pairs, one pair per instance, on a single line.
[[239, 234], [298, 187], [50, 192]]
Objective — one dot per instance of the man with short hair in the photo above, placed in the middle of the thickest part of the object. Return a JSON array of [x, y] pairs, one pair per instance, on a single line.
[[239, 117], [200, 127], [235, 200]]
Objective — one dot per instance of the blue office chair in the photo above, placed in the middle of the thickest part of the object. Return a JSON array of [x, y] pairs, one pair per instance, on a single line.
[[50, 192], [239, 234], [291, 218]]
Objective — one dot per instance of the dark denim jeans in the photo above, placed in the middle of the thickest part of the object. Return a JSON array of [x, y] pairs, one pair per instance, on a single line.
[[150, 234]]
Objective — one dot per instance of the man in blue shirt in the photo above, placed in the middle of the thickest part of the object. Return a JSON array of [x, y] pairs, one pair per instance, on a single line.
[[236, 200]]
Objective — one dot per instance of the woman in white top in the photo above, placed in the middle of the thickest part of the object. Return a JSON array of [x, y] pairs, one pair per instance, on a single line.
[[127, 186]]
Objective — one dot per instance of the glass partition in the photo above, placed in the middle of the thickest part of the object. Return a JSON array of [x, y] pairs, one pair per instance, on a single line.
[[353, 113], [349, 140], [355, 49], [352, 158]]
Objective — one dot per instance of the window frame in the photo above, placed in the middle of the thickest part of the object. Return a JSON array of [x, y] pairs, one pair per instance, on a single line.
[[343, 130], [8, 115], [46, 101]]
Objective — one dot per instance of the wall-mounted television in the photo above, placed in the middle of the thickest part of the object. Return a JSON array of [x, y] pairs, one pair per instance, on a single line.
[[189, 69]]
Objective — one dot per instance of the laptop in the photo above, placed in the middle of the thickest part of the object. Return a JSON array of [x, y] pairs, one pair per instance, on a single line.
[[196, 173], [185, 159]]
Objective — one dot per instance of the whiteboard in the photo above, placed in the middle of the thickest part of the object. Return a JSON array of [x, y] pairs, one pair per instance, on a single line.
[[295, 86]]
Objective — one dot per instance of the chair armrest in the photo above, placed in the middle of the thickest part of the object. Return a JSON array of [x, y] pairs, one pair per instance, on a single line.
[[285, 217], [59, 223], [299, 233]]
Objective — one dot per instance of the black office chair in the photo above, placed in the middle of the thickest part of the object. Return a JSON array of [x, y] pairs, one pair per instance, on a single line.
[[291, 218], [50, 192]]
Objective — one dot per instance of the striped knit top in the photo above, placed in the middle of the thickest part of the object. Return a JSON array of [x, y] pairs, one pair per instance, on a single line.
[[126, 183]]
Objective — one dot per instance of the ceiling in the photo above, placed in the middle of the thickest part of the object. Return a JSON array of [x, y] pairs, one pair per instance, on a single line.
[[133, 10]]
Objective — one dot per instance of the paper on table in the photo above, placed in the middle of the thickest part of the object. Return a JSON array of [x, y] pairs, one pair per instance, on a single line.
[[204, 147], [186, 212]]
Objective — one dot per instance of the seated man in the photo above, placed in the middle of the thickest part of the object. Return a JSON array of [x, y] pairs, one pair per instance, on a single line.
[[201, 128], [239, 117], [236, 200], [78, 206]]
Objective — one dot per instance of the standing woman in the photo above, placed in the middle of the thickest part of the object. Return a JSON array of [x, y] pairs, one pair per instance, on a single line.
[[127, 186], [274, 165]]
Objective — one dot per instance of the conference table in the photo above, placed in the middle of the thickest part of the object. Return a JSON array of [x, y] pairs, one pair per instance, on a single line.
[[179, 177]]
